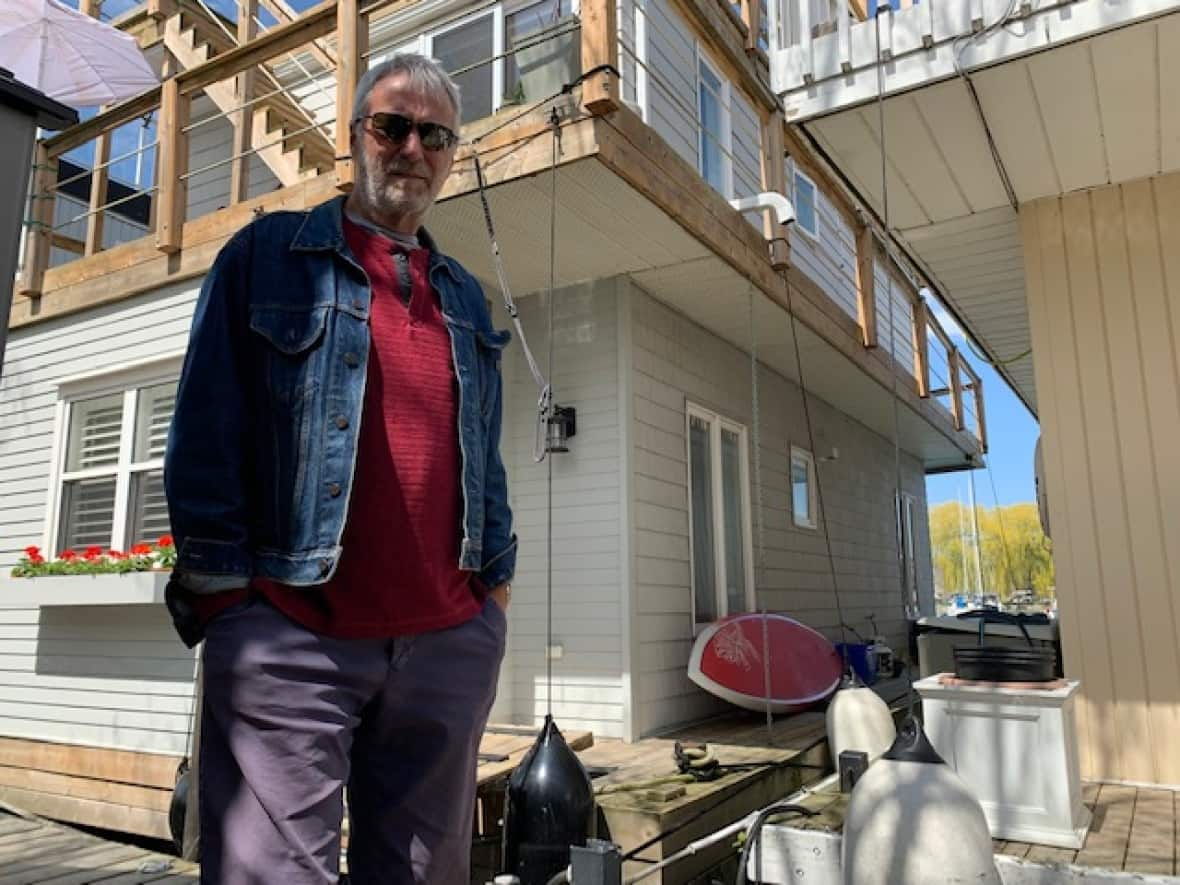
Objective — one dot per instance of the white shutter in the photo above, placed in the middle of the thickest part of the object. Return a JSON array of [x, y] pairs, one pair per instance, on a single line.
[[88, 512], [94, 433]]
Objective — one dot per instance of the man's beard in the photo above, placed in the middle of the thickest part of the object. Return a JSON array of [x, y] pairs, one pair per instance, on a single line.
[[391, 198]]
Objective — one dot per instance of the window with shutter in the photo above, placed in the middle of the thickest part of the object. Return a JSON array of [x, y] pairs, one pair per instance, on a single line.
[[110, 485]]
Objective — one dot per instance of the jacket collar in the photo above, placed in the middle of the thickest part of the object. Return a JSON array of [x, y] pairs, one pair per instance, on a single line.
[[322, 230]]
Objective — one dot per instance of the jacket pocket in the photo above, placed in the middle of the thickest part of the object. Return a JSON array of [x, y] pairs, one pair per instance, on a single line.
[[293, 341], [489, 348]]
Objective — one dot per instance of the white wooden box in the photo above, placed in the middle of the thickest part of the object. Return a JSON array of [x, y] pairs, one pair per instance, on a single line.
[[1016, 748], [134, 588]]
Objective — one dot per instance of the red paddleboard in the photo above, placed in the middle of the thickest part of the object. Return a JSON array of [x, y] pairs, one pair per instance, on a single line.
[[732, 657]]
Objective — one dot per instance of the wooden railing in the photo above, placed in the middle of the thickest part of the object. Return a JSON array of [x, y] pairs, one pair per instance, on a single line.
[[347, 21], [938, 369]]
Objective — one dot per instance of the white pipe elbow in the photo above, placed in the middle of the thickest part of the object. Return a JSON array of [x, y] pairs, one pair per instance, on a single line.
[[784, 212]]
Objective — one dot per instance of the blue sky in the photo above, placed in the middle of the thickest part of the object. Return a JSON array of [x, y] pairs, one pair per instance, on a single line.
[[1012, 435]]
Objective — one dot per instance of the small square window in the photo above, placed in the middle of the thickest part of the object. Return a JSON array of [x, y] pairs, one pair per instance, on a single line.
[[806, 204], [803, 488]]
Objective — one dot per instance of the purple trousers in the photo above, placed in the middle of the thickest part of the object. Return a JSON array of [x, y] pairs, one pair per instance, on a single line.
[[291, 717]]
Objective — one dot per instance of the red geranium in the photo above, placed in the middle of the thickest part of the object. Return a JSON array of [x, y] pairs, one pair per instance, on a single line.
[[32, 552], [92, 553], [115, 554], [67, 555], [36, 558], [165, 541], [141, 550]]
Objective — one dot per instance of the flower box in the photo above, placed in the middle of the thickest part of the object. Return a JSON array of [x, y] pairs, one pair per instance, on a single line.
[[133, 588]]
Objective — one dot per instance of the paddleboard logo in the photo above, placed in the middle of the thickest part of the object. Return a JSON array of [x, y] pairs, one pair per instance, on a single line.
[[733, 647]]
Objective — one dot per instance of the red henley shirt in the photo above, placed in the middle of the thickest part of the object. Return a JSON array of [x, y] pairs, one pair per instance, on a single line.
[[398, 572]]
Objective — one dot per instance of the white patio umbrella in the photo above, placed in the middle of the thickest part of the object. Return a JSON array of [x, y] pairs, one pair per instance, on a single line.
[[69, 56]]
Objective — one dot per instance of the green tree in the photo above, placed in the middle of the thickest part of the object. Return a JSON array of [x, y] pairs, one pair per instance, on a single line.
[[1014, 551]]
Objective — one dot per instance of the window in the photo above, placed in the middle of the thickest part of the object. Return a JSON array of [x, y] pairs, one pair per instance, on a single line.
[[803, 489], [465, 50], [719, 511], [715, 137], [109, 488], [805, 199], [524, 23]]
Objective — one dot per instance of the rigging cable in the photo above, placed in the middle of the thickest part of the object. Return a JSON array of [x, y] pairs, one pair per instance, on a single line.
[[898, 500], [555, 122], [760, 563]]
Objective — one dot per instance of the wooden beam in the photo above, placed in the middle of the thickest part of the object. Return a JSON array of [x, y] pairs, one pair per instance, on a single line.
[[600, 47], [37, 242], [752, 18], [921, 349], [133, 108], [98, 194], [319, 50], [866, 285], [774, 179], [173, 160], [351, 63], [953, 366], [243, 120], [316, 22], [89, 7], [70, 244]]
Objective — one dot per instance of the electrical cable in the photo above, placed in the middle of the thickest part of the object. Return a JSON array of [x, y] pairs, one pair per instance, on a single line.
[[554, 121]]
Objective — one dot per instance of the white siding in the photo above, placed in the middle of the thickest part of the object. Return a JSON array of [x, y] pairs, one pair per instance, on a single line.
[[671, 79], [676, 360], [747, 147], [106, 676], [901, 342], [587, 501], [831, 260]]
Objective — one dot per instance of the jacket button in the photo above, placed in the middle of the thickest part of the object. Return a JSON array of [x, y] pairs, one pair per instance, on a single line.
[[334, 490], [351, 360], [341, 421]]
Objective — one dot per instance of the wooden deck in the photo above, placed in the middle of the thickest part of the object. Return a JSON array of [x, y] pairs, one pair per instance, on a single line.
[[37, 852], [1134, 830]]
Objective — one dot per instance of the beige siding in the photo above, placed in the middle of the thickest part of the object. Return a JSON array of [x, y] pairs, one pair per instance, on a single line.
[[675, 361], [588, 580], [1104, 304]]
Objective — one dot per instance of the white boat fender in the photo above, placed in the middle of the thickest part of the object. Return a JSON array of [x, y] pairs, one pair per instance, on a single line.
[[912, 820], [858, 719]]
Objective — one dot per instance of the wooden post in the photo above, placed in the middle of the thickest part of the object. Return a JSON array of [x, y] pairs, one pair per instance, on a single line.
[[173, 160], [774, 179], [600, 46], [952, 360], [37, 243], [243, 120], [866, 286], [98, 194], [89, 7], [349, 53], [980, 417], [921, 341], [752, 17]]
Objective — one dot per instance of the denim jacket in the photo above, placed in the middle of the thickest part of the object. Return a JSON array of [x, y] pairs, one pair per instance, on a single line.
[[262, 451]]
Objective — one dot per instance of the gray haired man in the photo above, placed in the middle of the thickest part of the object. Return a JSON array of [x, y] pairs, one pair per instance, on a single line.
[[341, 513]]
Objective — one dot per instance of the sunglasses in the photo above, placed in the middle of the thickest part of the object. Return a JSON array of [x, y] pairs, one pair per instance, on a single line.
[[397, 128]]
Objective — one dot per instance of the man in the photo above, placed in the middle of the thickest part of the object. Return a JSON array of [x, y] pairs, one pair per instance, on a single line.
[[340, 508]]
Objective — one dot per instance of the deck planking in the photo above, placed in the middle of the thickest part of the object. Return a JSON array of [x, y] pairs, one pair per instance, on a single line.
[[38, 852]]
